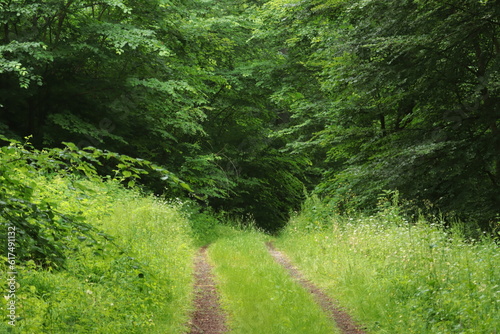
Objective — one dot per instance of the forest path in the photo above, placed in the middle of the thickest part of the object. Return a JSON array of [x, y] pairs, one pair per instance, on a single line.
[[342, 319], [208, 317]]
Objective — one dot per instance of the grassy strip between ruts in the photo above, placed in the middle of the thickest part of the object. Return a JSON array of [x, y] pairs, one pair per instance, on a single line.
[[401, 278], [141, 282], [258, 294]]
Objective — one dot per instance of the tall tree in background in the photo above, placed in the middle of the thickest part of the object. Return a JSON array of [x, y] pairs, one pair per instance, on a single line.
[[259, 179], [252, 102], [413, 98], [170, 82]]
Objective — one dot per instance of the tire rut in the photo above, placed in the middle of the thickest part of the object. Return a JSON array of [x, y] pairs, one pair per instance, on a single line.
[[343, 320], [208, 317]]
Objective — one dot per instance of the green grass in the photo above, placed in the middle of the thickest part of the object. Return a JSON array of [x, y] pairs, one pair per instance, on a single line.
[[398, 278], [394, 277], [257, 293], [141, 282]]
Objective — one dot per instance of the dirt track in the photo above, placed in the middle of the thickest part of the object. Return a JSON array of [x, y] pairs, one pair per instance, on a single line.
[[343, 320], [208, 317]]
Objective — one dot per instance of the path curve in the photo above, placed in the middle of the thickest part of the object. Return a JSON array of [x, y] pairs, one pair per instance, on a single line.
[[343, 320], [208, 317]]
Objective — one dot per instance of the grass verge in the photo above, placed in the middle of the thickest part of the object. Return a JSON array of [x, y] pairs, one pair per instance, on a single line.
[[257, 293], [401, 278], [139, 282]]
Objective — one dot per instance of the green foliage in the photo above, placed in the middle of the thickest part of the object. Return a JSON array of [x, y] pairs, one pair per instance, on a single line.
[[175, 84], [269, 187], [250, 102], [29, 204], [45, 232], [397, 277], [99, 73], [409, 107], [204, 224], [140, 282], [244, 173]]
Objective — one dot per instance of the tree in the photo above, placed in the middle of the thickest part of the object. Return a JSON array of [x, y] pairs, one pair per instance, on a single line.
[[173, 83], [258, 180], [411, 106]]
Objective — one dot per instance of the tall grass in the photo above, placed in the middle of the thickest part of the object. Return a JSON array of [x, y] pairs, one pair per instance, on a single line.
[[401, 278], [258, 294], [139, 282]]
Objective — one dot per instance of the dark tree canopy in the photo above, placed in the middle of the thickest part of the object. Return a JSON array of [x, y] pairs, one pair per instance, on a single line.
[[254, 103]]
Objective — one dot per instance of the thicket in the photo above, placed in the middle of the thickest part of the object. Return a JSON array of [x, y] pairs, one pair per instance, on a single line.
[[174, 83], [393, 95], [45, 231], [251, 102], [90, 256]]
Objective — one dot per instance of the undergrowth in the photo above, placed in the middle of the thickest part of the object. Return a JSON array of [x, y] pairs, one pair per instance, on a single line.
[[137, 279], [400, 277]]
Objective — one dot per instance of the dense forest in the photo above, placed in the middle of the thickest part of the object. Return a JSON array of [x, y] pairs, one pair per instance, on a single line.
[[286, 158], [255, 104]]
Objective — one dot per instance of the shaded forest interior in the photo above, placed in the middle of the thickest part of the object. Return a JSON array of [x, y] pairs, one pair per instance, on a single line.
[[254, 104]]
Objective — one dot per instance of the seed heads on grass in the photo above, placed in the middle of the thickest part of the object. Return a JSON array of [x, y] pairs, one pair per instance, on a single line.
[[427, 280]]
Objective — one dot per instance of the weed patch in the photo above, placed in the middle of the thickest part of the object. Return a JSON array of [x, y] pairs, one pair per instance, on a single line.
[[137, 279], [402, 278]]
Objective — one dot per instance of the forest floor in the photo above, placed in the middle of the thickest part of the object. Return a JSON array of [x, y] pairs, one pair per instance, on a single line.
[[209, 318]]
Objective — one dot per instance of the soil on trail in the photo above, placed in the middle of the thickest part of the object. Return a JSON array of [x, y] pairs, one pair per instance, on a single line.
[[208, 317], [343, 320]]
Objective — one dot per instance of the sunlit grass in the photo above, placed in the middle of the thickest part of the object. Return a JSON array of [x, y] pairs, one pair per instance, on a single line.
[[258, 294], [140, 282], [402, 278], [157, 237]]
